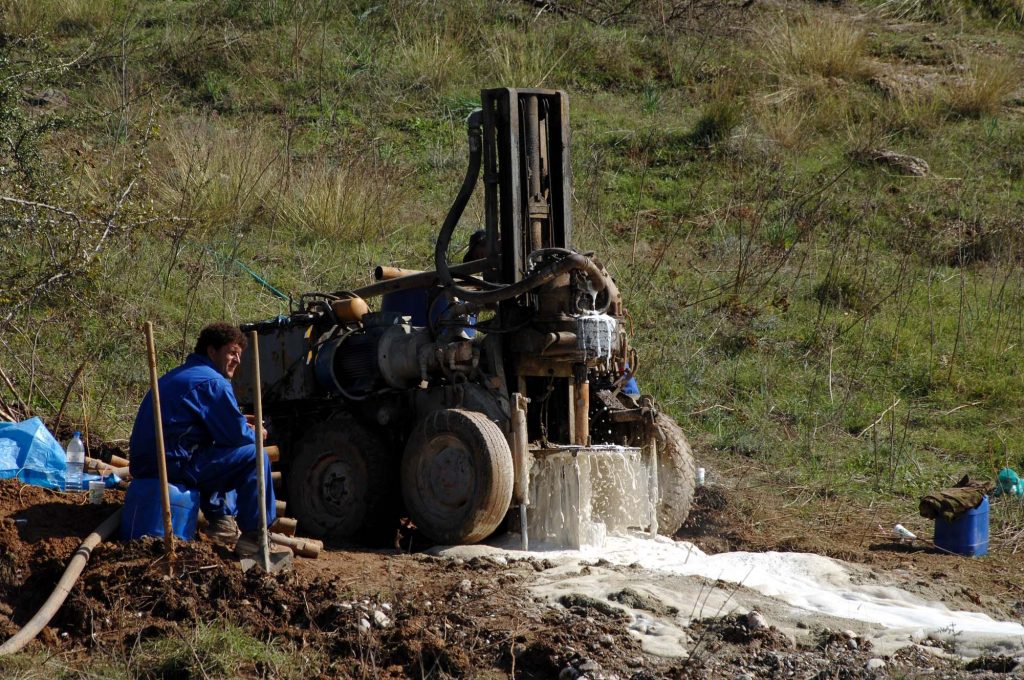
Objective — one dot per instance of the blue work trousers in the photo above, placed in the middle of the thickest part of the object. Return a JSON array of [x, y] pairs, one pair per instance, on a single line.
[[217, 472]]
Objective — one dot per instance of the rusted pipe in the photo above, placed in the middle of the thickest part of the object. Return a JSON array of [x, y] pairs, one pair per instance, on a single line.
[[581, 412], [285, 525], [520, 463], [654, 492], [420, 280], [118, 461], [384, 273], [303, 547], [60, 592]]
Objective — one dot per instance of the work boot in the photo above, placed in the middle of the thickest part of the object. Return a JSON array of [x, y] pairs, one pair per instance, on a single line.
[[248, 545], [223, 530]]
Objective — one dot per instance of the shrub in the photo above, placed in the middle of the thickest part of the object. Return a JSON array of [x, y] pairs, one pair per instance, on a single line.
[[829, 47], [987, 83], [718, 119]]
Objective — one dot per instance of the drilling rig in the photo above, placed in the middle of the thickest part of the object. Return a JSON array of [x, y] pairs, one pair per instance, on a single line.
[[480, 395]]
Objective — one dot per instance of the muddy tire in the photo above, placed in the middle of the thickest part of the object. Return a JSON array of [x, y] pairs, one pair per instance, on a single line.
[[676, 475], [339, 486], [457, 476]]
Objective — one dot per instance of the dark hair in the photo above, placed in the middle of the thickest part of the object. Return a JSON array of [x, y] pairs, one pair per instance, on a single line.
[[477, 245], [216, 335]]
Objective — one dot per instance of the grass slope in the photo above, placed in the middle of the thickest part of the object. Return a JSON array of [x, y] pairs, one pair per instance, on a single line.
[[795, 298]]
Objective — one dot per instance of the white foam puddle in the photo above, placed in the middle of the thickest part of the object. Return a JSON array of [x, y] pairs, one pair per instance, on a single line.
[[812, 585]]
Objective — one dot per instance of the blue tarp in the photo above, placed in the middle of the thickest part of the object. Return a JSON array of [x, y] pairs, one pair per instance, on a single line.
[[29, 452]]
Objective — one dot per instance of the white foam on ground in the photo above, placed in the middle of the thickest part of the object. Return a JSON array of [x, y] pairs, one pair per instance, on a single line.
[[808, 582]]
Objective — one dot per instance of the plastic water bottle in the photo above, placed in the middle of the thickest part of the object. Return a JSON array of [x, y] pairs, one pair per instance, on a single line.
[[76, 462]]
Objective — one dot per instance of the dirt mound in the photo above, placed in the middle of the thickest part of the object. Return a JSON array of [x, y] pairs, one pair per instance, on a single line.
[[383, 614], [376, 614]]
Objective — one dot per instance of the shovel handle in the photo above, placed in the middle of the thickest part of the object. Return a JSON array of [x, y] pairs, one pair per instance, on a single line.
[[161, 454], [261, 479]]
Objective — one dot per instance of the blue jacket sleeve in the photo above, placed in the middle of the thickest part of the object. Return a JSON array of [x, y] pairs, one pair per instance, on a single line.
[[214, 402]]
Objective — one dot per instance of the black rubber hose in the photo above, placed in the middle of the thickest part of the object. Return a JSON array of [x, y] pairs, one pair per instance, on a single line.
[[570, 260], [444, 239]]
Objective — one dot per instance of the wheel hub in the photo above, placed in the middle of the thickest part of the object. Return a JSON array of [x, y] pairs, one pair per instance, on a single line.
[[450, 474], [333, 483]]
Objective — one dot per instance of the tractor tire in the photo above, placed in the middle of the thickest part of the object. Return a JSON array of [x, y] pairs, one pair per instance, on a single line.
[[676, 475], [457, 476], [339, 485]]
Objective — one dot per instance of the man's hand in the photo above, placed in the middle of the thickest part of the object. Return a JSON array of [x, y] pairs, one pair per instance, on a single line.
[[250, 420]]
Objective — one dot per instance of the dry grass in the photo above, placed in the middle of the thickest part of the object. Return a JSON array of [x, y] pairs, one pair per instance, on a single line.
[[826, 47], [523, 59], [238, 178], [987, 82], [25, 17], [921, 10], [218, 175], [783, 124], [357, 199]]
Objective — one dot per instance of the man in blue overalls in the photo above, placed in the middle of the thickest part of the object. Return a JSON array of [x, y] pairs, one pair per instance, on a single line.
[[210, 444]]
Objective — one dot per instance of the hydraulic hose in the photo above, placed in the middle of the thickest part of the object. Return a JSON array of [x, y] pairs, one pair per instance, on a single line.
[[570, 259], [444, 239], [63, 587]]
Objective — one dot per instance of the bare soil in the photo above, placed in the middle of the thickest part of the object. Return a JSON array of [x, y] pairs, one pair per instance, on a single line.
[[395, 614]]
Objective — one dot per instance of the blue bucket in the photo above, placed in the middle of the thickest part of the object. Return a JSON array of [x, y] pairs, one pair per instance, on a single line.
[[143, 512], [967, 534]]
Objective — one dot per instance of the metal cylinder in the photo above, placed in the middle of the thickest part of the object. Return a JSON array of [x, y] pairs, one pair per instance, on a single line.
[[350, 310], [581, 412], [534, 169], [384, 273], [520, 452]]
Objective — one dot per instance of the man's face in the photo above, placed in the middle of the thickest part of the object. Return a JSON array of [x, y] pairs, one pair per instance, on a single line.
[[226, 359]]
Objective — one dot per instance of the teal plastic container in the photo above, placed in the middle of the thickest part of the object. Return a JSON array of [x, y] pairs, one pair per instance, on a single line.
[[143, 512], [967, 534]]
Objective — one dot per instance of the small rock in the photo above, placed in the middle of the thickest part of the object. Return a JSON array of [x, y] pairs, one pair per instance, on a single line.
[[900, 162], [466, 585], [589, 665], [607, 640], [568, 673], [849, 634], [364, 626], [48, 98], [381, 619], [852, 643], [755, 621], [874, 664], [635, 662]]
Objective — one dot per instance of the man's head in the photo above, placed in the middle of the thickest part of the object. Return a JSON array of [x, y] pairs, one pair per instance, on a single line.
[[477, 248], [222, 344]]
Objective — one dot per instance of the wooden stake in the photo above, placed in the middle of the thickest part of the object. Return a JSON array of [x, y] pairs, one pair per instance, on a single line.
[[261, 480], [161, 454]]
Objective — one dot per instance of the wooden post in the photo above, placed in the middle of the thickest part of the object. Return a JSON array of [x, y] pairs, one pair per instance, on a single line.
[[261, 480], [161, 454]]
